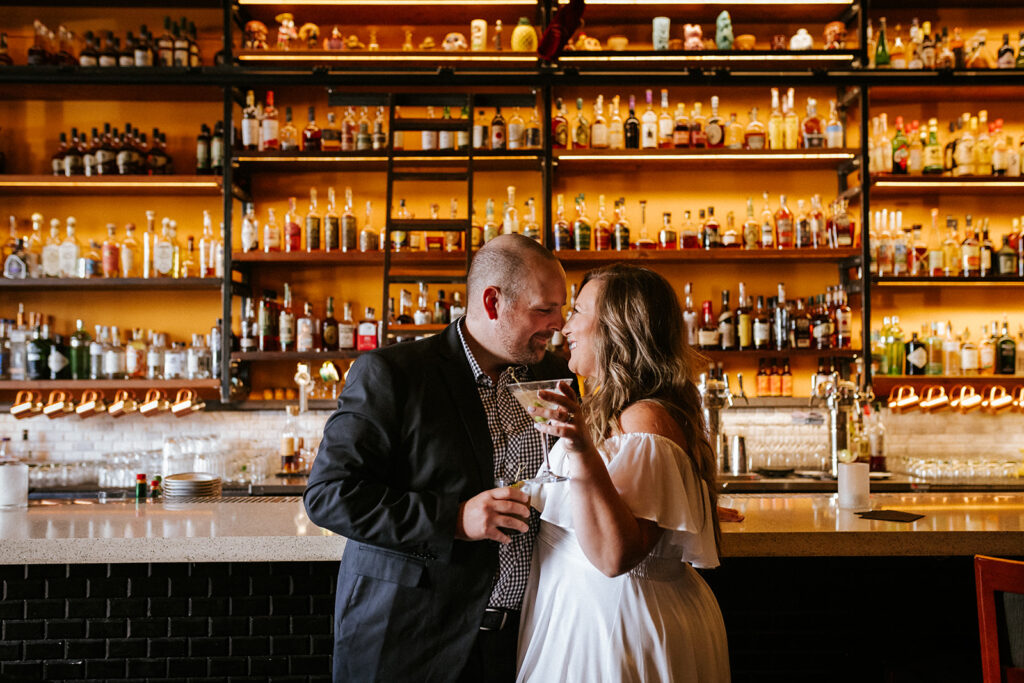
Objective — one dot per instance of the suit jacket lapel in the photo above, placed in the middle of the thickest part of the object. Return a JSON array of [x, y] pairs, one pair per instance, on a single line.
[[458, 377]]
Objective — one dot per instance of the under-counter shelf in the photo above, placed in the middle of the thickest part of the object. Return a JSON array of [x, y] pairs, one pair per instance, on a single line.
[[888, 185], [929, 282], [113, 284], [202, 185]]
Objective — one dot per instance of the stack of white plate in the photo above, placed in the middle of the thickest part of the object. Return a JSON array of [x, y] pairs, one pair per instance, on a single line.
[[192, 484]]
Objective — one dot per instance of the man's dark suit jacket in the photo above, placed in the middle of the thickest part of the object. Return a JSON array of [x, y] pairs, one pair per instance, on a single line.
[[407, 444]]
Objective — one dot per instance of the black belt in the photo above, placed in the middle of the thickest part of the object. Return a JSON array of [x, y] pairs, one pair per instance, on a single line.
[[497, 618]]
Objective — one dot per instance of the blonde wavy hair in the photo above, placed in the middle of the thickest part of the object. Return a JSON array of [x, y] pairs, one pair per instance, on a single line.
[[643, 354]]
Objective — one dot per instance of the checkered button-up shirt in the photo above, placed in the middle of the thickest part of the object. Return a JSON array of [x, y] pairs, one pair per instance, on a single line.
[[518, 454]]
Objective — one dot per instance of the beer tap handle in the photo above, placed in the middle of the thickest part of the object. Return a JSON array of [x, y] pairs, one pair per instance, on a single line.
[[814, 389], [727, 394], [743, 393]]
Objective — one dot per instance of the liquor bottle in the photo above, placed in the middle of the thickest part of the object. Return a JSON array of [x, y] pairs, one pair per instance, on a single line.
[[111, 253], [649, 125], [970, 251], [666, 124], [987, 350], [379, 139], [292, 235], [986, 253], [667, 237], [761, 326], [561, 231], [367, 331], [203, 163], [620, 229], [681, 128], [644, 242], [811, 127], [498, 132], [289, 134], [516, 128], [70, 251], [349, 129], [932, 152], [304, 337], [776, 129], [726, 325], [491, 227], [833, 128], [480, 131], [599, 129], [269, 126], [580, 127], [801, 226], [1005, 58], [441, 310], [1006, 259], [311, 135], [882, 59], [710, 230], [981, 155], [286, 322], [780, 320], [616, 129], [963, 153], [970, 355], [532, 138], [346, 329], [714, 127], [50, 257], [560, 126], [1019, 64], [343, 232], [330, 136], [421, 316], [271, 233], [744, 321], [248, 327], [698, 135], [57, 160], [1001, 146], [445, 138], [951, 257], [78, 352], [790, 123], [73, 156], [751, 228], [1006, 352], [510, 217], [129, 253], [689, 235], [250, 123], [602, 228], [631, 128], [784, 225], [734, 133], [689, 316], [532, 230], [401, 239], [581, 228], [767, 225], [313, 221], [707, 334], [115, 361]]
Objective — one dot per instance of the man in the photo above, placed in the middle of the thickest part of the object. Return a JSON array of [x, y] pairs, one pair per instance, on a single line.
[[406, 472]]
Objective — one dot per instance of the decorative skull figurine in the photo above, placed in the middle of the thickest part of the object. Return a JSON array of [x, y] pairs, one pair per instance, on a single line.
[[455, 42], [835, 35], [256, 35], [723, 31], [693, 37], [801, 40], [286, 33]]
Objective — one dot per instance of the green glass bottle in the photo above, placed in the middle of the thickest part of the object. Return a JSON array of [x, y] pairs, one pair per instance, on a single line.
[[581, 229], [79, 352], [882, 59]]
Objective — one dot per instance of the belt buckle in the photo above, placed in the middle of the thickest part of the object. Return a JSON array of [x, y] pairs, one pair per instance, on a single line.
[[504, 619]]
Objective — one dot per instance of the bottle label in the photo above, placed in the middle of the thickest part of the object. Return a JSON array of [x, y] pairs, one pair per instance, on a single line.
[[217, 152], [971, 257], [174, 365], [312, 233], [968, 360], [250, 132], [347, 336], [762, 333], [918, 358], [134, 360], [270, 128], [707, 337], [515, 136], [51, 261], [305, 335], [987, 357], [367, 335], [87, 60], [763, 385], [715, 134], [986, 260], [69, 253], [330, 335], [114, 362], [727, 333], [163, 257], [479, 136], [57, 361], [287, 328]]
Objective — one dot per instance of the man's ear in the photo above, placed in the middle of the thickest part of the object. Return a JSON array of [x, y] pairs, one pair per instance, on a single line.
[[491, 296]]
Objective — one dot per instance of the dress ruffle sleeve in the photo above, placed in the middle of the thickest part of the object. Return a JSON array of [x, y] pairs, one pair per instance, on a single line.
[[658, 482]]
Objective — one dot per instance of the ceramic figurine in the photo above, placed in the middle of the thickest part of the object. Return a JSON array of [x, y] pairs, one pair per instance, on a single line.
[[353, 43], [745, 41], [779, 42], [310, 35], [286, 33], [801, 40], [478, 35], [497, 35], [524, 37], [428, 43], [373, 45], [455, 42], [585, 43], [660, 28], [336, 41], [835, 35], [723, 31], [256, 34], [407, 46], [693, 37]]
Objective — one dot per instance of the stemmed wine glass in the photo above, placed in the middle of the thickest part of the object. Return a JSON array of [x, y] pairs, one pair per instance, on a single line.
[[528, 395]]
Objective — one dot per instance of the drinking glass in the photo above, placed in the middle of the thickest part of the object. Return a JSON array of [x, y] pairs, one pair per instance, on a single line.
[[528, 395]]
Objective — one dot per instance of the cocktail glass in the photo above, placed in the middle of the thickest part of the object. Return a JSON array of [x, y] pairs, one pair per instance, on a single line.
[[528, 395]]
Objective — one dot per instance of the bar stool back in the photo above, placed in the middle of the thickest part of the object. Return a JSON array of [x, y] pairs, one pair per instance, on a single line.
[[1000, 585]]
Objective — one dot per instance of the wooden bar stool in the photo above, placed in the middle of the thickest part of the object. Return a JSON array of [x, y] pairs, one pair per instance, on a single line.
[[1000, 585]]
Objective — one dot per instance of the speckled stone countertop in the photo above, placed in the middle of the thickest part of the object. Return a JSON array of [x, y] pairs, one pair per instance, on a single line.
[[277, 529]]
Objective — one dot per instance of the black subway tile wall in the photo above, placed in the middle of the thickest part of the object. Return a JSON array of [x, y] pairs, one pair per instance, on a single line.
[[167, 621]]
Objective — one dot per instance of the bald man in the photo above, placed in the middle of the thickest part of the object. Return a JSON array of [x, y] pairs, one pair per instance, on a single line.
[[430, 583]]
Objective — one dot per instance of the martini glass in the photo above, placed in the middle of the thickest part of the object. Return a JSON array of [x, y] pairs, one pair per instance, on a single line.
[[528, 395]]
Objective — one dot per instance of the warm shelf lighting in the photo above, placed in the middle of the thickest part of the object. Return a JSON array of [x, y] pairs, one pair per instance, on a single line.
[[375, 57], [943, 184], [838, 3], [212, 184], [291, 159], [733, 57], [717, 156], [391, 3]]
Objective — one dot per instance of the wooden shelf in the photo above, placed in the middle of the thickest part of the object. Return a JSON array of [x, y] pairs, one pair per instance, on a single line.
[[390, 60], [259, 404], [587, 259], [900, 87], [929, 282], [352, 258], [760, 11], [886, 185], [760, 60], [375, 161], [412, 329], [294, 356], [111, 385], [772, 353], [705, 160], [191, 185], [112, 284]]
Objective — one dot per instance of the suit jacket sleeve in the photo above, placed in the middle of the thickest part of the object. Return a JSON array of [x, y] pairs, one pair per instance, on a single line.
[[353, 489]]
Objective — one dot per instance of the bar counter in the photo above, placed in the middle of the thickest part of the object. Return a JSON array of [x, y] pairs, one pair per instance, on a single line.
[[269, 529]]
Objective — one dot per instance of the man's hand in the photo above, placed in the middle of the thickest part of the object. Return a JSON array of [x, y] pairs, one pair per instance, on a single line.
[[480, 516]]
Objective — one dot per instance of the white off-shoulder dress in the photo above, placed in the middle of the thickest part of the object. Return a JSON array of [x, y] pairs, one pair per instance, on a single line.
[[660, 621]]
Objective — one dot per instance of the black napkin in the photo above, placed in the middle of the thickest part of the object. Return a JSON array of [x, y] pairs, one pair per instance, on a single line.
[[890, 515]]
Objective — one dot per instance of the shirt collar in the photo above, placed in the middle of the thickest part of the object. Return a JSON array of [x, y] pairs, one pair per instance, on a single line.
[[513, 373]]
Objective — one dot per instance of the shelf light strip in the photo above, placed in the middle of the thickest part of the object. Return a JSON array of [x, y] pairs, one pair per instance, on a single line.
[[738, 57], [391, 3], [641, 3], [940, 185], [117, 183], [370, 57], [306, 159], [702, 157]]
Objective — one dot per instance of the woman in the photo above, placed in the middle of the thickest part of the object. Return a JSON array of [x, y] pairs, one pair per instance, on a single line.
[[612, 593]]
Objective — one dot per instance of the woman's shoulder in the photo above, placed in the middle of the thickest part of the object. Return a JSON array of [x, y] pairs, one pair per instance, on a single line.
[[650, 417]]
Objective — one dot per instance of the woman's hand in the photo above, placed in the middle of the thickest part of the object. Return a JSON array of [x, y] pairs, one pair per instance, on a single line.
[[565, 421], [729, 515]]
